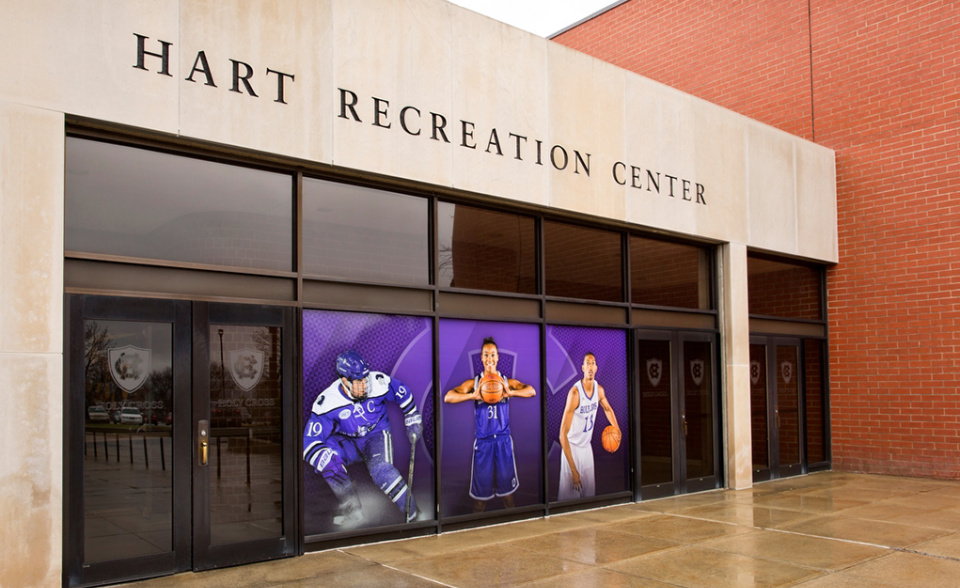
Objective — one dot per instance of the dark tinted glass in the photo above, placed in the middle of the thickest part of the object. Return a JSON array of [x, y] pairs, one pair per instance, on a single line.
[[485, 250], [128, 449], [783, 289], [815, 413], [139, 203], [582, 263], [698, 406], [788, 404], [359, 233], [758, 407], [656, 416], [669, 274], [246, 460]]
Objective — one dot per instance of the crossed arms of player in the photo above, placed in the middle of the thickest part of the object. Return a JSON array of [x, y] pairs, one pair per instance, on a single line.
[[573, 402], [467, 391]]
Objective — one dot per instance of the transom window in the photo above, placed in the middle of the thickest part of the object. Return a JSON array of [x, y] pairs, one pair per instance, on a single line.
[[140, 203]]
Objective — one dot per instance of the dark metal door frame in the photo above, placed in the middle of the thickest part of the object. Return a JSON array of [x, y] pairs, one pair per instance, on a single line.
[[712, 481], [206, 556], [775, 469], [189, 324], [77, 308], [680, 483]]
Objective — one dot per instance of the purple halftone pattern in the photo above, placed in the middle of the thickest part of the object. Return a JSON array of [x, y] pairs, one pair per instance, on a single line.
[[401, 347], [519, 349], [566, 347]]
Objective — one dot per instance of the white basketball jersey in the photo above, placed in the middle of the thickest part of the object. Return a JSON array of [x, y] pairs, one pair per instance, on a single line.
[[584, 417]]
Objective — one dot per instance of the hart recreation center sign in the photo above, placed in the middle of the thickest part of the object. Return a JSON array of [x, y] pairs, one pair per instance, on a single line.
[[424, 123]]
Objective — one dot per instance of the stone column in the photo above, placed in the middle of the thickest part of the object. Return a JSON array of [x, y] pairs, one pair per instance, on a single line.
[[31, 344], [735, 337]]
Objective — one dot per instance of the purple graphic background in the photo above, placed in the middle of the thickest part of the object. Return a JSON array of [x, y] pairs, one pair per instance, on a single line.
[[402, 348], [519, 350], [565, 349]]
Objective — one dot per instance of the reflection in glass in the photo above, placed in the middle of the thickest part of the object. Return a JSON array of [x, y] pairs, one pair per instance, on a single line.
[[788, 290], [758, 407], [656, 446], [698, 408], [580, 262], [359, 233], [788, 404], [485, 250], [246, 494], [128, 454], [663, 273], [139, 203], [815, 413]]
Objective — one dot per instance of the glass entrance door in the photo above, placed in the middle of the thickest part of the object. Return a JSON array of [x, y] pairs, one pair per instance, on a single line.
[[678, 413], [137, 399], [242, 475], [759, 429], [775, 395]]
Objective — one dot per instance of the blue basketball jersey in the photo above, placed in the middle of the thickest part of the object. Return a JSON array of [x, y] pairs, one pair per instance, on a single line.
[[491, 419]]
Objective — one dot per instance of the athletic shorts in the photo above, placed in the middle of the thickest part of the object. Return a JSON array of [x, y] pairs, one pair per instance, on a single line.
[[494, 471]]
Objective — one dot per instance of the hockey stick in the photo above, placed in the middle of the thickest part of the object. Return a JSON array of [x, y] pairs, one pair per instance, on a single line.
[[413, 453]]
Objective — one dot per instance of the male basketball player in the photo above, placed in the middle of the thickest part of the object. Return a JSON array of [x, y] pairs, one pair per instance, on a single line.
[[349, 423], [494, 471], [577, 479]]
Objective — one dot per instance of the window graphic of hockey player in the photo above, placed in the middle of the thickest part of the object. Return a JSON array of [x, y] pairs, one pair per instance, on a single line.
[[494, 471], [349, 423], [577, 479]]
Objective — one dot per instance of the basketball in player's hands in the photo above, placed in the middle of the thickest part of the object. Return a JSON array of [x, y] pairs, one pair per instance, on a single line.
[[610, 438], [491, 388]]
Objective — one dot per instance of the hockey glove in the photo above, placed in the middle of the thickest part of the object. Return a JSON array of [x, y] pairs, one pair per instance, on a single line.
[[414, 426], [331, 467]]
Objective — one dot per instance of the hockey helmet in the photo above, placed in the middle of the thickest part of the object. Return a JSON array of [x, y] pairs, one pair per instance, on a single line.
[[352, 366]]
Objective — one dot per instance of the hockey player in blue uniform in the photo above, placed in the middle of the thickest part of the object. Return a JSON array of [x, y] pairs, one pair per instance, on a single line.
[[349, 423], [494, 471]]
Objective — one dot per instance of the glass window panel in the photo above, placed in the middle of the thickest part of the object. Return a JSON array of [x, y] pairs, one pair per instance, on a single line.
[[486, 250], [698, 408], [128, 449], [669, 274], [139, 203], [758, 406], [788, 404], [815, 414], [580, 262], [246, 460], [783, 289], [656, 416], [359, 233]]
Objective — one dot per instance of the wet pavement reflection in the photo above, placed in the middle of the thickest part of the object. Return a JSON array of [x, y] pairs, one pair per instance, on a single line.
[[817, 531]]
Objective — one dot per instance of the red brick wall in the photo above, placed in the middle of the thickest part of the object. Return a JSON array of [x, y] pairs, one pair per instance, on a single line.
[[751, 56], [783, 290], [884, 96]]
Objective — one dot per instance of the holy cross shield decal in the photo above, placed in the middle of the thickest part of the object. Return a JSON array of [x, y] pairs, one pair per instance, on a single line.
[[755, 372], [786, 371], [246, 367], [696, 371], [129, 366], [654, 371]]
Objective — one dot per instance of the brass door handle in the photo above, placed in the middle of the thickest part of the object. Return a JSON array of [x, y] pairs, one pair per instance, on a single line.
[[683, 418], [203, 437]]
